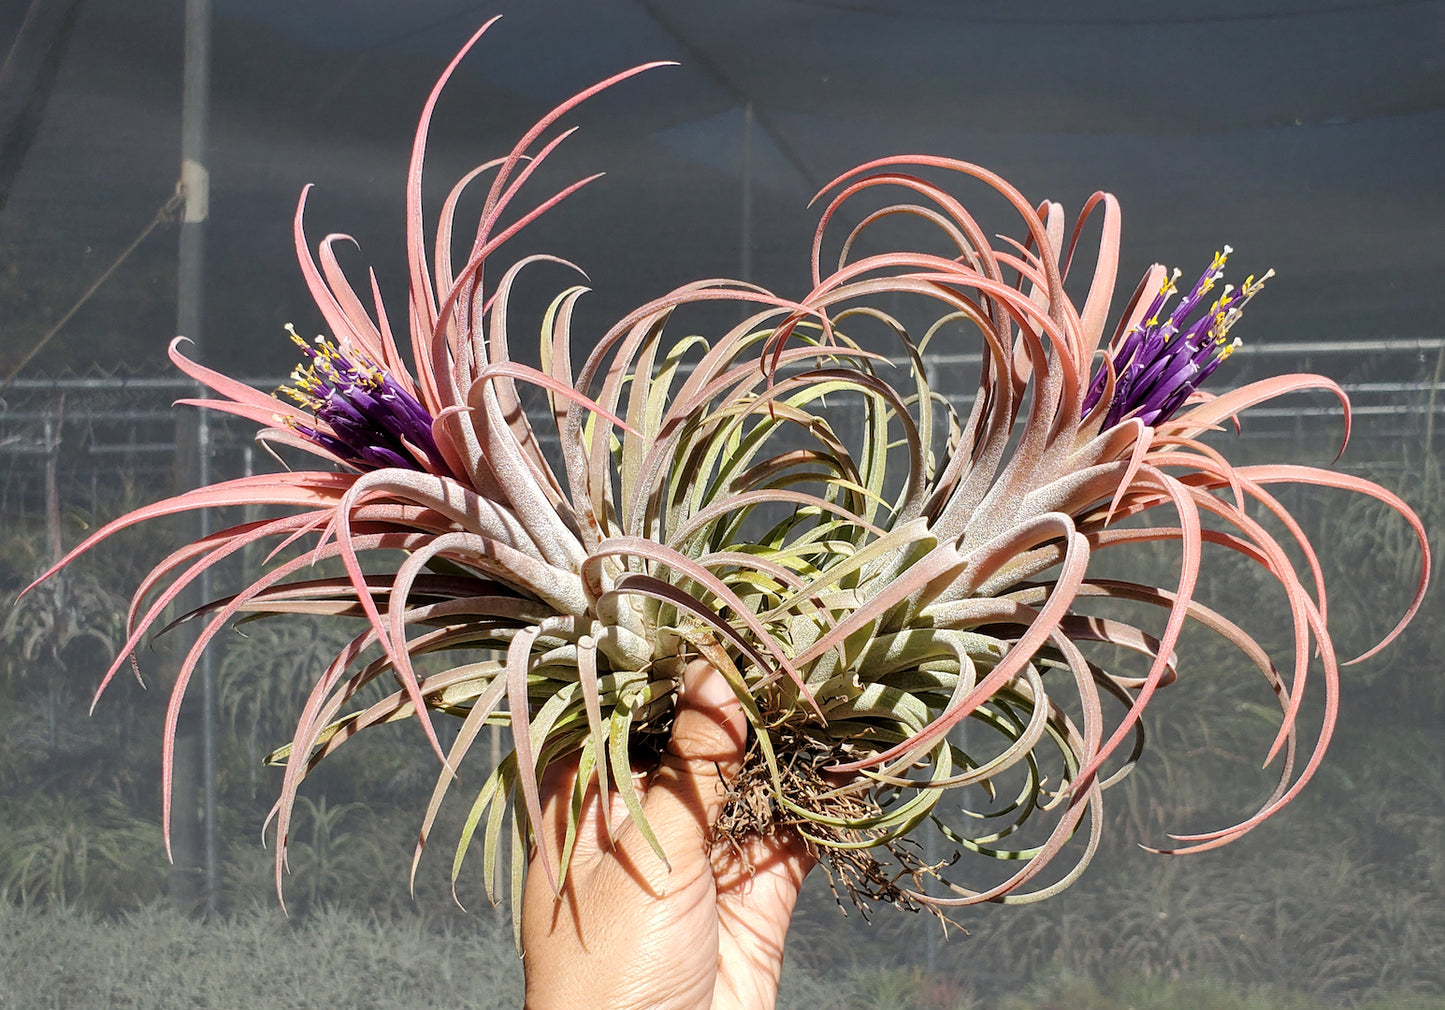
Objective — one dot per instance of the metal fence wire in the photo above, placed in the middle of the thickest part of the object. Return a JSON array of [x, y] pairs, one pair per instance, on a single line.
[[110, 437]]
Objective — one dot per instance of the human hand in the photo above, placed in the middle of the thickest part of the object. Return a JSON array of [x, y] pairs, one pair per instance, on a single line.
[[627, 933]]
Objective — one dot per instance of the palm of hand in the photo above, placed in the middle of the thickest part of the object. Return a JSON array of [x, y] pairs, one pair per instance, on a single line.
[[625, 932]]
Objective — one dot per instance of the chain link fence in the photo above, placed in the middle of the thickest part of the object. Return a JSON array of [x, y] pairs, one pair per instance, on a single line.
[[104, 434]]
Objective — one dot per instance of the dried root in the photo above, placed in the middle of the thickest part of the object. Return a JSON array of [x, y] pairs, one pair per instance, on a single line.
[[856, 873]]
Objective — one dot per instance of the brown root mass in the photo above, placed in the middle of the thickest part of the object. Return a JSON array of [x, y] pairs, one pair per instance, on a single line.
[[752, 811]]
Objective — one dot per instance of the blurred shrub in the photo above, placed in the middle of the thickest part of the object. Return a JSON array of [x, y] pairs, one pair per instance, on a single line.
[[899, 987], [264, 676], [330, 860], [68, 850]]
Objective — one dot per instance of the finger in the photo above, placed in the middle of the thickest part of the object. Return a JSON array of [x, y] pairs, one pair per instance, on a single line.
[[557, 786], [559, 794], [709, 728], [709, 735], [782, 858], [758, 881]]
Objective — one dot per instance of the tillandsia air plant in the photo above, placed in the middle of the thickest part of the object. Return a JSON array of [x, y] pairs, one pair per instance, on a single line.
[[868, 566]]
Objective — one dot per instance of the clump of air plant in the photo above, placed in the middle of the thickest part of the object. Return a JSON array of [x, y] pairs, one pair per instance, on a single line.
[[864, 596]]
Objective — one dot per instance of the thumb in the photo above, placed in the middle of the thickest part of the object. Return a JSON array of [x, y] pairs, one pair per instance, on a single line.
[[708, 727], [709, 735]]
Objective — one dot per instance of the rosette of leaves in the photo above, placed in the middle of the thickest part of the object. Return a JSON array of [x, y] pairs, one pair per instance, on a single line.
[[863, 595]]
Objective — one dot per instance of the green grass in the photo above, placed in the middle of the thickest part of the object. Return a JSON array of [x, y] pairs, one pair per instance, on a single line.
[[1127, 991], [156, 959]]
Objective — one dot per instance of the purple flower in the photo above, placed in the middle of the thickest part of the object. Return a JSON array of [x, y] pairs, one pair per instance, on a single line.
[[374, 422], [1159, 363]]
